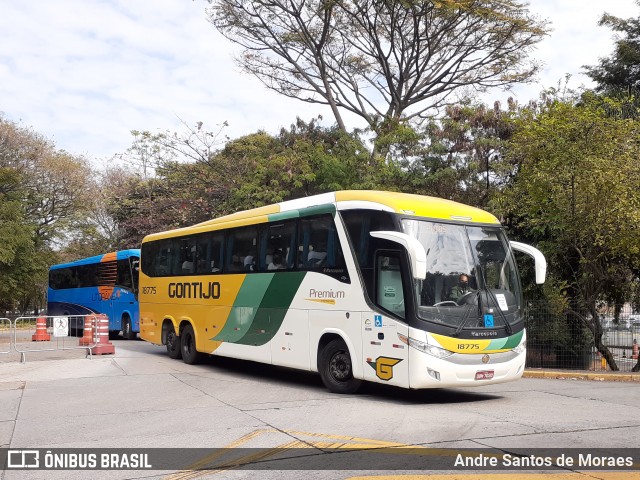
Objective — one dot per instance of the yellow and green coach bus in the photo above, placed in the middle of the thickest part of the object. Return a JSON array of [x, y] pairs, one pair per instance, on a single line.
[[386, 287]]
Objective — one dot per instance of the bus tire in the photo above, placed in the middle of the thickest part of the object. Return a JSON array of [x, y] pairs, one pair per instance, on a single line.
[[190, 355], [173, 344], [127, 329], [336, 369]]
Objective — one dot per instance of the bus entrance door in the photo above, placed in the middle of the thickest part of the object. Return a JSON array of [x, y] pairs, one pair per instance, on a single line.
[[386, 356]]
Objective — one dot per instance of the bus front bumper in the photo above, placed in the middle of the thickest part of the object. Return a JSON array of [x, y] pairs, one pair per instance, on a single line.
[[464, 370]]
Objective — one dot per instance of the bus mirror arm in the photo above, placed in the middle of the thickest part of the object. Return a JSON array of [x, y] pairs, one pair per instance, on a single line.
[[415, 250], [538, 258]]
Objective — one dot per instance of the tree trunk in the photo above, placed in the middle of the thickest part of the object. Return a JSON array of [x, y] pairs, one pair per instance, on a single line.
[[596, 329]]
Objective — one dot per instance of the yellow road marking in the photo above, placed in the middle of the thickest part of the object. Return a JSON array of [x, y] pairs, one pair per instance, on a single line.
[[189, 472], [586, 475], [328, 441]]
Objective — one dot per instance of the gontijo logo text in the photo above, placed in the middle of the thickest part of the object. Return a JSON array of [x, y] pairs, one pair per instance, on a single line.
[[194, 290]]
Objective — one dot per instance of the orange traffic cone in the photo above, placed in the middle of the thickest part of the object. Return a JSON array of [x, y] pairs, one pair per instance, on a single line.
[[103, 345], [41, 334], [87, 333]]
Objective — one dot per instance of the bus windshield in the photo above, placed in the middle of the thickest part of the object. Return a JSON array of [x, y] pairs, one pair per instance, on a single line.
[[471, 273]]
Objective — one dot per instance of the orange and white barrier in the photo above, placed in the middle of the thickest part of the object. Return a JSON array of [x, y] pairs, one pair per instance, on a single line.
[[103, 345], [87, 332], [41, 334]]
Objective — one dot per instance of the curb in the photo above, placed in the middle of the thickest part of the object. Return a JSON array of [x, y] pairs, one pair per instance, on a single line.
[[596, 377]]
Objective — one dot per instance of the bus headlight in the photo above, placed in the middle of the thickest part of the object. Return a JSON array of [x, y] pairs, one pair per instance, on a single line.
[[425, 347], [520, 348]]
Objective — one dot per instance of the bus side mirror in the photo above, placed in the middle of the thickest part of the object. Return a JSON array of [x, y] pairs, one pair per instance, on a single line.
[[415, 250], [538, 258]]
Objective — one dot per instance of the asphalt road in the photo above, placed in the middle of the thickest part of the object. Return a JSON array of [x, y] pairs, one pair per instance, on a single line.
[[139, 398]]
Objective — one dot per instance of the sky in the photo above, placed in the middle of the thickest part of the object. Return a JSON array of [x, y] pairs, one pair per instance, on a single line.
[[85, 73]]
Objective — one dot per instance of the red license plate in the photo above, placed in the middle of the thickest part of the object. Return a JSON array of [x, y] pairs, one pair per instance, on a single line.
[[484, 375]]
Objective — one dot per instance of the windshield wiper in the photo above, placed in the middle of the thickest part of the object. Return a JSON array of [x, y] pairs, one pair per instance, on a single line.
[[465, 319]]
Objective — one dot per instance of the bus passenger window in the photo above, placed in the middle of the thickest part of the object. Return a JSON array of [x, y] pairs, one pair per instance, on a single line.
[[277, 246], [319, 245], [241, 250]]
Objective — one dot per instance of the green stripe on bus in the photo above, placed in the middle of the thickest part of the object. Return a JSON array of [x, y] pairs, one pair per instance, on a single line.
[[318, 210], [245, 307], [277, 217], [506, 343], [273, 308]]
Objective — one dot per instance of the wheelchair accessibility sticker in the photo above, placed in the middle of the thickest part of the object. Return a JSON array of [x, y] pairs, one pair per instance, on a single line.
[[488, 321], [378, 320]]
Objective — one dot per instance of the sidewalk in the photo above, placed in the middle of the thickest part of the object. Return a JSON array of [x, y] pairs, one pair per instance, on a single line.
[[582, 375]]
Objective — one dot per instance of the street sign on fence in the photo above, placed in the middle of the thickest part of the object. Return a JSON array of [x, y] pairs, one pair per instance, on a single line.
[[60, 326]]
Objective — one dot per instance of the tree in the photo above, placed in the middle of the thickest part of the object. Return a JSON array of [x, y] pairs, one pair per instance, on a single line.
[[250, 171], [621, 69], [576, 194], [17, 252], [384, 61], [460, 156], [45, 193]]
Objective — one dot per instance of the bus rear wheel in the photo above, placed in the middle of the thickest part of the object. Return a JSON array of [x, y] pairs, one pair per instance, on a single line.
[[336, 369], [190, 355], [173, 344]]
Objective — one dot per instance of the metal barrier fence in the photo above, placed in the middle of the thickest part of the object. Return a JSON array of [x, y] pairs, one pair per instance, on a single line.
[[48, 334], [566, 340], [5, 335]]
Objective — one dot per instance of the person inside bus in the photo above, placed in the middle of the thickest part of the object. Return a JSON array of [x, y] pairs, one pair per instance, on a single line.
[[249, 262], [236, 264], [461, 288], [317, 255], [276, 262], [187, 266], [188, 254]]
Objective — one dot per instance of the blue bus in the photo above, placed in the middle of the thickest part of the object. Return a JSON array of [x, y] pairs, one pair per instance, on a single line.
[[105, 283]]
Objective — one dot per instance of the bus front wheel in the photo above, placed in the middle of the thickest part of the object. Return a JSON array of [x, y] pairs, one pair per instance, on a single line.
[[336, 369], [188, 343], [173, 344]]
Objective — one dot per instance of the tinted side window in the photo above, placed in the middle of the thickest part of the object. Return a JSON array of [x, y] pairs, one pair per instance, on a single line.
[[187, 262], [278, 246], [104, 274], [87, 276], [62, 278], [209, 252], [242, 250], [124, 278], [319, 247], [161, 258], [359, 224]]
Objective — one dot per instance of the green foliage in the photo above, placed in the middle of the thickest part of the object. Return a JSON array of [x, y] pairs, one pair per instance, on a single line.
[[576, 194], [250, 171], [620, 69], [45, 194], [458, 156]]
